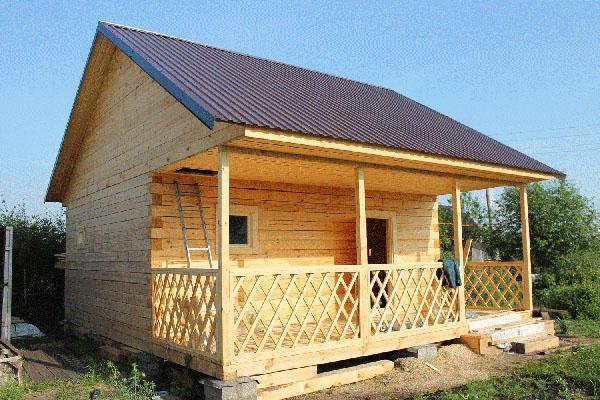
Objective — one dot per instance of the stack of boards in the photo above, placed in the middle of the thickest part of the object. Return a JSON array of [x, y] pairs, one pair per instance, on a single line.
[[489, 334]]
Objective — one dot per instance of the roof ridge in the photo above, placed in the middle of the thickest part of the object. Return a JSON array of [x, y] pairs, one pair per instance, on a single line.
[[244, 54]]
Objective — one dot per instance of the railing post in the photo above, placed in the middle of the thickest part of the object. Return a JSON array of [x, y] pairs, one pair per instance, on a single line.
[[362, 257], [223, 298], [526, 266], [458, 247]]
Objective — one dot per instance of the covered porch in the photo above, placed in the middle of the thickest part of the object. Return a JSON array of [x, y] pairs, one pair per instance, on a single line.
[[304, 289]]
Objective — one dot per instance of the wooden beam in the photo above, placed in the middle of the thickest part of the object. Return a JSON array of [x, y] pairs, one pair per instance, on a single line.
[[302, 141], [362, 256], [467, 250], [458, 246], [286, 376], [223, 298], [328, 379], [342, 162], [527, 286]]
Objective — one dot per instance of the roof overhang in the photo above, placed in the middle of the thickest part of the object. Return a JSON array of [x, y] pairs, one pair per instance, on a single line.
[[290, 142], [285, 157]]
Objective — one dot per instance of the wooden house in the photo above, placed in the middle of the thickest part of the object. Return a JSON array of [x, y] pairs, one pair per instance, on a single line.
[[319, 201]]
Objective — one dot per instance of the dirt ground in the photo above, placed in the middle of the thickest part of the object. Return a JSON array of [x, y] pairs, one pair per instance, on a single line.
[[457, 365]]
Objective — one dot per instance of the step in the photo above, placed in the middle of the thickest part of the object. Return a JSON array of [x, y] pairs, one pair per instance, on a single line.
[[327, 380], [480, 343], [506, 333], [492, 320], [535, 343], [485, 341], [522, 322]]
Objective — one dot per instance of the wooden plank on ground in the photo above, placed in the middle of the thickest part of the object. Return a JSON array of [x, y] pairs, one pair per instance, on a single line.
[[51, 363], [327, 380], [284, 377], [534, 344]]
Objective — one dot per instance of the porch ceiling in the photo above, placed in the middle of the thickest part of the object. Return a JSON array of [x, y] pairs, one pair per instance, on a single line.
[[268, 166]]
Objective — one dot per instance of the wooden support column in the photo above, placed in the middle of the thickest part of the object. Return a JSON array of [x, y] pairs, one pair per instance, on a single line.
[[458, 247], [527, 286], [362, 257], [223, 297]]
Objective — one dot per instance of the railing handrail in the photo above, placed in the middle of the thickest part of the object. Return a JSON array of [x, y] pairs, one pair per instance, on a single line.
[[299, 269], [186, 271], [315, 269], [406, 265], [492, 263]]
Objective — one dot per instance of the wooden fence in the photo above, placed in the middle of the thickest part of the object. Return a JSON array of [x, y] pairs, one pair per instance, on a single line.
[[494, 285]]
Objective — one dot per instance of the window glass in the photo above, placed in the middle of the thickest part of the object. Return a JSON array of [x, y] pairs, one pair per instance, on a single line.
[[238, 229]]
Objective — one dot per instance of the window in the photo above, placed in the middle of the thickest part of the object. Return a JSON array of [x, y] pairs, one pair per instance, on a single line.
[[243, 229], [238, 229]]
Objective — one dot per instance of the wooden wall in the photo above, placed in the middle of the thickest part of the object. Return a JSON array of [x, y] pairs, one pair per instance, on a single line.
[[136, 127], [297, 225]]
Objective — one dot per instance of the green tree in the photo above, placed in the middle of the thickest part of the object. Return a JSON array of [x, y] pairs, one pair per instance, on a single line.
[[562, 221], [38, 287], [473, 217]]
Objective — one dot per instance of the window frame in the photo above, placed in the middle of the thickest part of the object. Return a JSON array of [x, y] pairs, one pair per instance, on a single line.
[[251, 212]]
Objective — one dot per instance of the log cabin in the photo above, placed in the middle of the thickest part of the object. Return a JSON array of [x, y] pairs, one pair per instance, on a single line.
[[245, 217]]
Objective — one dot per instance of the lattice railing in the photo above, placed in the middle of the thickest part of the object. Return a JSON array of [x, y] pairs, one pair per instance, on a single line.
[[183, 308], [407, 298], [299, 307], [494, 285]]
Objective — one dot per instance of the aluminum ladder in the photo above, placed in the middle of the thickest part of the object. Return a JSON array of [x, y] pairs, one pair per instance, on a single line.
[[188, 249]]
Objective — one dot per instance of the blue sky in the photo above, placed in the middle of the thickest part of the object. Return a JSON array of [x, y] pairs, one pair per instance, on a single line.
[[526, 73]]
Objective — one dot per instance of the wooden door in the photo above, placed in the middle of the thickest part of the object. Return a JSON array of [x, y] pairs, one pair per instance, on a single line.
[[377, 251]]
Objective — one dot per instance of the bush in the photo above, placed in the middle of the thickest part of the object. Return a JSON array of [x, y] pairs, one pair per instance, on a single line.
[[573, 284], [581, 300], [38, 287]]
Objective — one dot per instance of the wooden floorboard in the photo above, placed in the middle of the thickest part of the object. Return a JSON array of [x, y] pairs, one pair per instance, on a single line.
[[51, 362]]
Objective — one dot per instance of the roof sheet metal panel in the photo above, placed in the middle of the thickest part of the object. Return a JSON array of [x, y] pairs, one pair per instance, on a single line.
[[234, 87]]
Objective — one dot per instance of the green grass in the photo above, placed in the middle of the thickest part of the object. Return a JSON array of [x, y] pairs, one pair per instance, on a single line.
[[571, 374], [583, 328], [114, 382]]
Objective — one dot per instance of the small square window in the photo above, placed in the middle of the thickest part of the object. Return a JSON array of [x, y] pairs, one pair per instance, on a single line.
[[243, 229], [238, 229]]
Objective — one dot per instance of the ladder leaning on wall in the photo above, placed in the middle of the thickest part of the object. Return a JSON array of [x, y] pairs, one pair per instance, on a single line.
[[189, 250]]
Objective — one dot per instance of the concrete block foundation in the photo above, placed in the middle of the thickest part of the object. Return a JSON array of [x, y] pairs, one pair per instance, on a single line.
[[238, 389]]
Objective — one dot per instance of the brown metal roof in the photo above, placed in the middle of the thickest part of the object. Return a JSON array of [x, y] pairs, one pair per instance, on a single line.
[[218, 84]]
